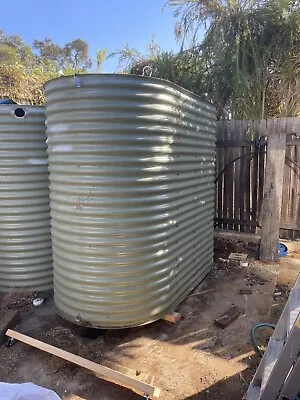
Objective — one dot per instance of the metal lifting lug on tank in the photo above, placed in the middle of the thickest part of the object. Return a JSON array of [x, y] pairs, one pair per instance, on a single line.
[[131, 162]]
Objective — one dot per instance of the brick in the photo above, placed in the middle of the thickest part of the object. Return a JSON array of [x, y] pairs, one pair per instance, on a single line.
[[238, 256], [228, 317], [246, 291]]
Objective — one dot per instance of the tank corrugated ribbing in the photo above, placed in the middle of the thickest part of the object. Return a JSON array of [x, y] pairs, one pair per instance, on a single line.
[[25, 239], [131, 163]]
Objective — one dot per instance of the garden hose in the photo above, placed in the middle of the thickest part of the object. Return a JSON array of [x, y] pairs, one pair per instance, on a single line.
[[253, 337]]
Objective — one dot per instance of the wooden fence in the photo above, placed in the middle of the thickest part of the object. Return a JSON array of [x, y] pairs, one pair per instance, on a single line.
[[240, 172]]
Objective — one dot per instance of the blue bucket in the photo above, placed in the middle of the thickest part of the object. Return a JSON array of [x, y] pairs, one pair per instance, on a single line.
[[282, 250], [7, 101]]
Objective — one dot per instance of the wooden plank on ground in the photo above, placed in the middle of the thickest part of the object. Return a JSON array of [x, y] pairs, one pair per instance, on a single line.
[[128, 372], [90, 365], [72, 396], [271, 208]]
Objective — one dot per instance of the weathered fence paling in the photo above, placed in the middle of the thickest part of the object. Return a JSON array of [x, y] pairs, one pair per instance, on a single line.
[[240, 175], [271, 206]]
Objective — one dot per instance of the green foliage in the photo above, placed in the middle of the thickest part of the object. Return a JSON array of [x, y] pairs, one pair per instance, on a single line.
[[72, 56], [247, 64], [19, 48], [153, 48], [8, 55], [129, 56], [250, 52], [24, 69], [101, 56], [185, 69]]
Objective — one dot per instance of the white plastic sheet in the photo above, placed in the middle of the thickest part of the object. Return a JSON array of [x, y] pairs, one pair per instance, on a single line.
[[25, 391]]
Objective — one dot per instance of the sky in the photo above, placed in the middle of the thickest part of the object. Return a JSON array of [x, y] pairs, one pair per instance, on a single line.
[[108, 24]]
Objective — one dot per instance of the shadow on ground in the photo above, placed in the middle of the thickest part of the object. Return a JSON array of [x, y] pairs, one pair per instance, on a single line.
[[193, 359], [231, 388]]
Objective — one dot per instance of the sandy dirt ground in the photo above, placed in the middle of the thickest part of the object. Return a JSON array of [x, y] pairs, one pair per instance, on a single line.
[[193, 359]]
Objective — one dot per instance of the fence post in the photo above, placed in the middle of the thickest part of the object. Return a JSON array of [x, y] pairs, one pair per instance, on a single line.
[[272, 199]]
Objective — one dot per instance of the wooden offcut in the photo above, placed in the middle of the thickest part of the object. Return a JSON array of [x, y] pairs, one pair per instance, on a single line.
[[90, 365], [173, 317], [8, 321], [228, 317], [272, 199], [136, 374]]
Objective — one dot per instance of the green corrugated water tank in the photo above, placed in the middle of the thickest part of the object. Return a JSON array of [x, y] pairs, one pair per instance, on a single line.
[[131, 162], [25, 239]]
